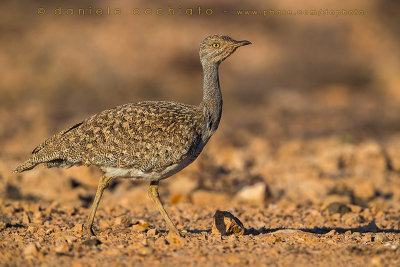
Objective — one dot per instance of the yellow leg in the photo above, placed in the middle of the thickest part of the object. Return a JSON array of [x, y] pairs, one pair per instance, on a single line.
[[153, 193], [103, 183]]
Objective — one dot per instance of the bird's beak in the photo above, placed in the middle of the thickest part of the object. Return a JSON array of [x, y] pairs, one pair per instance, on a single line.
[[242, 43]]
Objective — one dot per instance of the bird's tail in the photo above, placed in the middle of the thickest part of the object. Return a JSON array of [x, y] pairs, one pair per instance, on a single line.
[[26, 166]]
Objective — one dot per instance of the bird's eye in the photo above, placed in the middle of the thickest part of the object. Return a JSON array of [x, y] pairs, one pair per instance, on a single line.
[[216, 45]]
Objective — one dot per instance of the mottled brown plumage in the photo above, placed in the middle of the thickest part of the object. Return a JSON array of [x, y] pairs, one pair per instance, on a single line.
[[150, 140], [146, 136]]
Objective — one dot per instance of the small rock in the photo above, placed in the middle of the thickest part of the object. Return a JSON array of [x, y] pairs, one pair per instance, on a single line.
[[355, 208], [63, 247], [226, 224], [31, 250], [381, 237], [70, 239], [118, 221], [93, 242], [352, 218], [258, 193], [143, 223], [331, 233], [336, 207], [144, 251], [77, 228], [294, 234], [366, 238], [137, 228], [32, 228], [173, 238], [151, 232], [365, 190]]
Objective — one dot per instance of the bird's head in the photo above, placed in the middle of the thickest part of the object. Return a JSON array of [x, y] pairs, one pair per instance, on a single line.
[[214, 49]]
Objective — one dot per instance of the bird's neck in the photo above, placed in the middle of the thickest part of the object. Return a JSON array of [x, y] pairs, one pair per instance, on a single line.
[[212, 97]]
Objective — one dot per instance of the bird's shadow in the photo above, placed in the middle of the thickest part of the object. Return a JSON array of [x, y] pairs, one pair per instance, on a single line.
[[369, 228]]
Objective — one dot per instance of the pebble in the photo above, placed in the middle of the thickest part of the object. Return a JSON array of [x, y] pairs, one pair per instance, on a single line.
[[381, 237], [144, 251], [137, 228], [63, 247], [31, 250], [337, 207], [70, 238], [352, 218], [226, 224], [77, 228], [151, 232], [257, 194], [364, 190]]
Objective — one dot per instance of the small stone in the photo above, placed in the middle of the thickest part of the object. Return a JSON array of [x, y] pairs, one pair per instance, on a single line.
[[331, 233], [336, 207], [77, 228], [173, 238], [138, 228], [298, 235], [144, 251], [352, 218], [70, 238], [118, 221], [365, 190], [31, 250], [381, 237], [93, 242], [32, 229], [226, 224], [355, 208], [257, 194], [63, 247], [151, 232], [144, 224], [366, 238]]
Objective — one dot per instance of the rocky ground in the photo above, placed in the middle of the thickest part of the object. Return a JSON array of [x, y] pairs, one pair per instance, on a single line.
[[307, 155], [320, 202]]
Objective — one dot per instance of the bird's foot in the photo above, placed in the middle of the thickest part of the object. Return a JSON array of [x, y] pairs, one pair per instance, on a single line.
[[175, 237], [89, 233]]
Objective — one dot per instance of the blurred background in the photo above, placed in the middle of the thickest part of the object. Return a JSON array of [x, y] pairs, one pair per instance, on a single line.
[[329, 79]]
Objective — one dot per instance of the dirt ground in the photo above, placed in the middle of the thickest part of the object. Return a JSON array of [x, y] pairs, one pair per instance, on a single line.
[[320, 202], [307, 155]]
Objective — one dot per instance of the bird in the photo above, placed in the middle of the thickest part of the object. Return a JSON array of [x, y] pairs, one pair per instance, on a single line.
[[149, 140]]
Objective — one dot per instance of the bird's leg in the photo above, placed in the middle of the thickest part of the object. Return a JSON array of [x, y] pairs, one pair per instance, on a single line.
[[153, 193], [103, 183]]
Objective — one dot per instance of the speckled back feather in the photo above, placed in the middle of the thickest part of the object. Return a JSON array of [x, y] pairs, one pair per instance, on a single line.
[[148, 136]]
